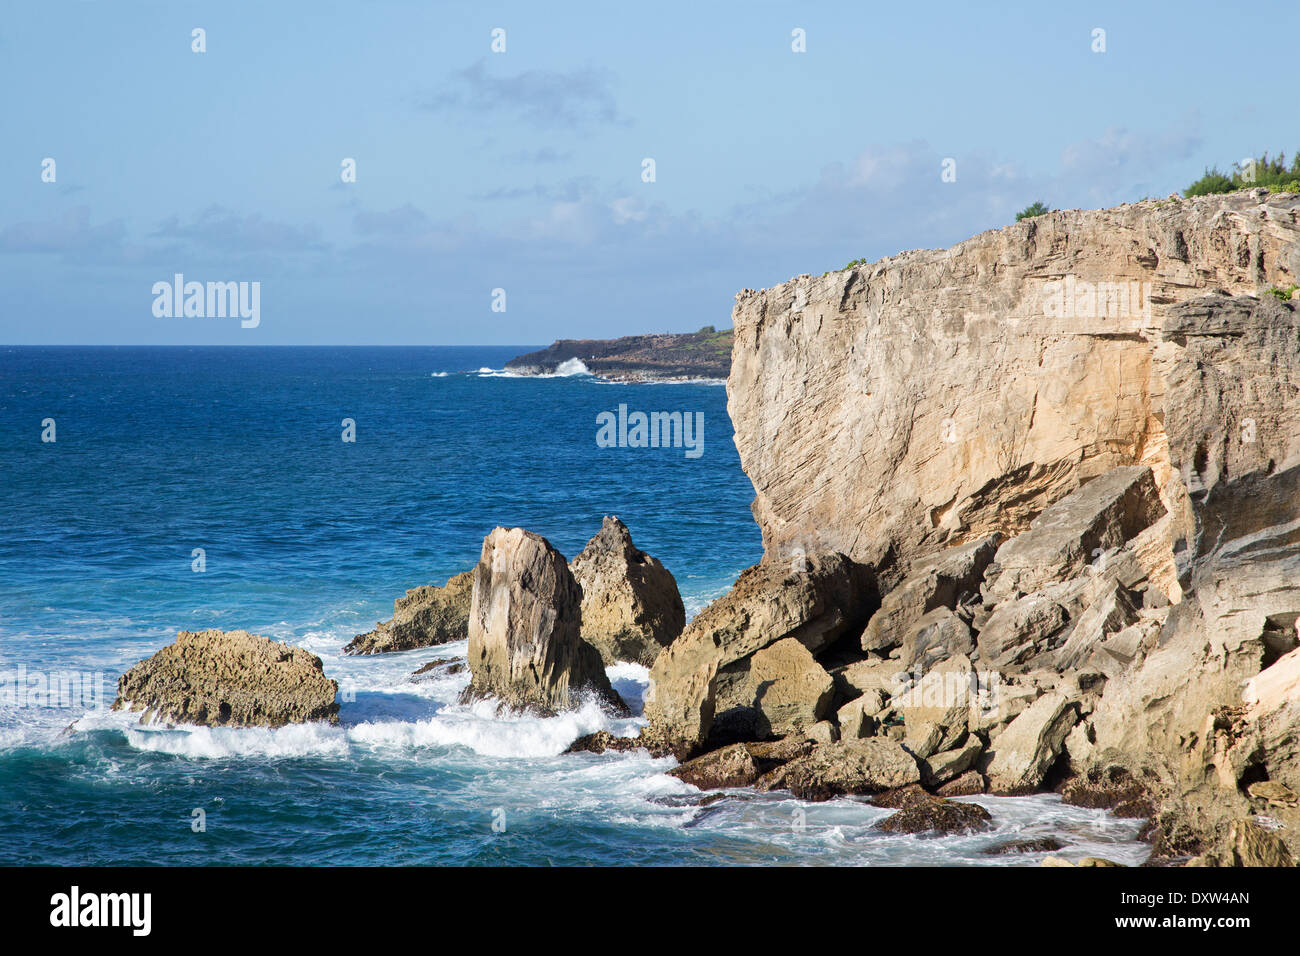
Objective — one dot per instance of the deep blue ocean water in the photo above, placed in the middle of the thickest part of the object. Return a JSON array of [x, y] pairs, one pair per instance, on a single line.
[[307, 538]]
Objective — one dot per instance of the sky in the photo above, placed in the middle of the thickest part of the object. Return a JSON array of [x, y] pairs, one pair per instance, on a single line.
[[524, 170]]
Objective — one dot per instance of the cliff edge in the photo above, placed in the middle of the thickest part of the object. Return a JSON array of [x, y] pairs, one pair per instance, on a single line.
[[1031, 506]]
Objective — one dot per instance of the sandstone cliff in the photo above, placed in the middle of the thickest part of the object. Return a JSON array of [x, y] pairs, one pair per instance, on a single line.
[[939, 395], [1058, 463]]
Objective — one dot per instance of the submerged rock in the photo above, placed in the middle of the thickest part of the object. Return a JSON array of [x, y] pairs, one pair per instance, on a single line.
[[731, 766], [867, 766], [631, 608], [439, 667], [228, 679], [423, 617], [601, 741], [1034, 845], [525, 647], [919, 812]]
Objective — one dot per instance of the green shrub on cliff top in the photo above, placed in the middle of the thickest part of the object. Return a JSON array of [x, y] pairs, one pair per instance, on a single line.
[[1034, 209], [1272, 174]]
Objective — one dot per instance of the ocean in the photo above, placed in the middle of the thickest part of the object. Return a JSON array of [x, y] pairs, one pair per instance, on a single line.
[[192, 488]]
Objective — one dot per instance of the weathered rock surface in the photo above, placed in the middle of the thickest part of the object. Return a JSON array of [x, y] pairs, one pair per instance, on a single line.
[[833, 770], [934, 638], [631, 608], [423, 617], [730, 766], [919, 812], [936, 708], [1105, 513], [940, 768], [942, 395], [525, 647], [937, 582], [228, 679], [1024, 752], [1116, 395], [967, 785], [706, 670], [787, 689]]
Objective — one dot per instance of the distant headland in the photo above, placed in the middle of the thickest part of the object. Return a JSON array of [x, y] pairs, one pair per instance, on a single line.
[[663, 357]]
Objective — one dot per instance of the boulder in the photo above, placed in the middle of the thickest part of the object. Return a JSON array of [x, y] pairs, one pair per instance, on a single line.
[[1020, 629], [1032, 845], [228, 679], [822, 732], [967, 785], [857, 717], [601, 741], [938, 769], [873, 675], [1250, 844], [706, 670], [939, 581], [787, 689], [1104, 513], [631, 608], [424, 617], [935, 638], [834, 770], [937, 708], [919, 812], [525, 648], [730, 766], [1024, 752]]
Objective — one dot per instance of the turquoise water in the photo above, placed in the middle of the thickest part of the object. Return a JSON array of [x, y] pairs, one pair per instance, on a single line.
[[307, 538]]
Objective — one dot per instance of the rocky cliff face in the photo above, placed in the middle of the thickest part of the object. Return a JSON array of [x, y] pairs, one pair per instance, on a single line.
[[1066, 457], [940, 395]]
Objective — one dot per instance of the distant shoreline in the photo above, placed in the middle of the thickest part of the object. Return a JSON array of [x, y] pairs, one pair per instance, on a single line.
[[703, 356]]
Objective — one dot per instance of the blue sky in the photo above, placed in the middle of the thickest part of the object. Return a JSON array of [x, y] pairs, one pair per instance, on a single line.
[[522, 170]]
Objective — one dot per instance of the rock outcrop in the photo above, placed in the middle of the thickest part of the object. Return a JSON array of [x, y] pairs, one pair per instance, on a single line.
[[920, 812], [942, 395], [525, 644], [814, 601], [848, 767], [631, 608], [423, 617], [788, 691], [1114, 395], [228, 679]]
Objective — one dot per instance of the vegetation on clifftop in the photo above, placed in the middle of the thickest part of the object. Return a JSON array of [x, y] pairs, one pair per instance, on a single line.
[[1032, 210], [1271, 174]]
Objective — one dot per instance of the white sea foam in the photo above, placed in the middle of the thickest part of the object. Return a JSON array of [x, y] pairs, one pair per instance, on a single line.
[[570, 367], [516, 761]]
